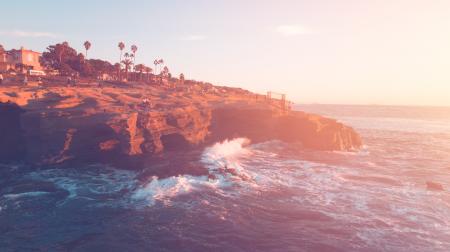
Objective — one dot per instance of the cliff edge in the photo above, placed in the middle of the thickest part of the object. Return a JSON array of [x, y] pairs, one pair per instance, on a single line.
[[125, 124]]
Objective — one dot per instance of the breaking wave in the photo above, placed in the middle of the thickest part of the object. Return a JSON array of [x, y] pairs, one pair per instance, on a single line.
[[224, 170]]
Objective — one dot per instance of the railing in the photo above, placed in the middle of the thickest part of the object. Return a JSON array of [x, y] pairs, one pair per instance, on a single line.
[[280, 103]]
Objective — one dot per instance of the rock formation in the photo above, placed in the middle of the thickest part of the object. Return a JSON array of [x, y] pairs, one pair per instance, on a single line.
[[312, 131], [12, 142], [113, 125]]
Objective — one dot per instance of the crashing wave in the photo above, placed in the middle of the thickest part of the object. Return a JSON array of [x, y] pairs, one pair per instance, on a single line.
[[222, 159], [224, 168]]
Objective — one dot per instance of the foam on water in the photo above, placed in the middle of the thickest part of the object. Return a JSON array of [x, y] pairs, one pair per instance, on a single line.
[[24, 194], [95, 182], [165, 189], [222, 162], [91, 183], [372, 196], [223, 159]]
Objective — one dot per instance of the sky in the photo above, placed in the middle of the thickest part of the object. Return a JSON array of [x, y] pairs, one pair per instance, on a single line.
[[385, 52]]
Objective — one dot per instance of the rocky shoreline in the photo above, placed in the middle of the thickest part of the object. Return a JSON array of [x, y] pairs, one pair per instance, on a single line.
[[127, 125]]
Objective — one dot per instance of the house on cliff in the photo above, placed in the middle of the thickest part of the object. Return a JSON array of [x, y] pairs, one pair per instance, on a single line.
[[19, 60]]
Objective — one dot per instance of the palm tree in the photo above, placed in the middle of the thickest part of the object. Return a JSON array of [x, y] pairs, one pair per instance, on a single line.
[[181, 78], [134, 49], [127, 62], [121, 46], [165, 71], [87, 45], [161, 61], [132, 64], [156, 62]]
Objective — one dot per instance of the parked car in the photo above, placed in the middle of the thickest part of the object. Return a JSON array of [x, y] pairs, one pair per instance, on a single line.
[[36, 73]]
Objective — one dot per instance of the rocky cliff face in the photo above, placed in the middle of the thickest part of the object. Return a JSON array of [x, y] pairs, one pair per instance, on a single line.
[[111, 138], [108, 126], [312, 131], [12, 142]]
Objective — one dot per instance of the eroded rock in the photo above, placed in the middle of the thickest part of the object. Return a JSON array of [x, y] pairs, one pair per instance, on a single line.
[[112, 126]]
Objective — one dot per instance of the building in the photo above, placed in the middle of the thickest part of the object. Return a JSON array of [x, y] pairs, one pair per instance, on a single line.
[[19, 60]]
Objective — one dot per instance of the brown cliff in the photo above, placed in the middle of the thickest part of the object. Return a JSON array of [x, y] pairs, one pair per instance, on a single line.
[[123, 125], [312, 131]]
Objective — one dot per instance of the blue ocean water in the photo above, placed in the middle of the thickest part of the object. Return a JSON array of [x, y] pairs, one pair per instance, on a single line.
[[258, 197]]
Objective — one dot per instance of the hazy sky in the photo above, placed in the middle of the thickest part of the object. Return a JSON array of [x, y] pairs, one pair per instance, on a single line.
[[352, 52]]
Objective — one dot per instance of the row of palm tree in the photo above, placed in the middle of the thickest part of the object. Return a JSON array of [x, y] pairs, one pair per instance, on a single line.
[[130, 60], [134, 49]]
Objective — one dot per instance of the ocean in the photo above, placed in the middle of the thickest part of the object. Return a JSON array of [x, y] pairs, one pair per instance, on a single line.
[[392, 195]]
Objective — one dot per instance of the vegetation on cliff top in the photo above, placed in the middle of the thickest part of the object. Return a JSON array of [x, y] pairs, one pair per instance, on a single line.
[[67, 61]]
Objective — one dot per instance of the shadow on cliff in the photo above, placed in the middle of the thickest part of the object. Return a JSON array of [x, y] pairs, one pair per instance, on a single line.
[[12, 140], [58, 136]]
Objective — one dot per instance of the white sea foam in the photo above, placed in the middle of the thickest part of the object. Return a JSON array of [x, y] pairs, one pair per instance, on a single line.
[[24, 194], [223, 159], [222, 162], [164, 189], [90, 183]]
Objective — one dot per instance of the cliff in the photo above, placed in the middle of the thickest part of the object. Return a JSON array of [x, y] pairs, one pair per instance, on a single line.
[[12, 142], [127, 125]]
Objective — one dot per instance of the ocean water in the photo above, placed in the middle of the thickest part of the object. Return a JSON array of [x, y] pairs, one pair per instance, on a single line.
[[257, 197]]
